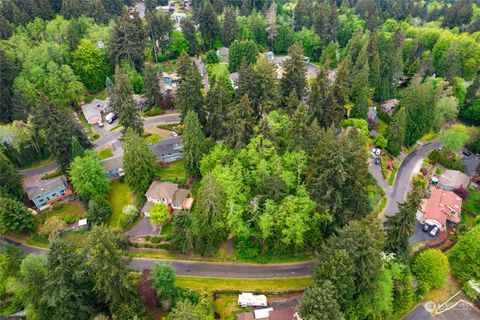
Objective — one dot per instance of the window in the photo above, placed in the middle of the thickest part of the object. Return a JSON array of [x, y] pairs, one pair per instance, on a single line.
[[41, 200], [54, 194]]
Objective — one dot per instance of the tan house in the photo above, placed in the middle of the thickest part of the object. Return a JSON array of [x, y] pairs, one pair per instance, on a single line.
[[169, 194], [453, 179]]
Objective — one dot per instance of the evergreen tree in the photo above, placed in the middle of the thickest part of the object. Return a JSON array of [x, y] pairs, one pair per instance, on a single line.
[[341, 85], [327, 21], [240, 123], [183, 237], [319, 303], [99, 211], [219, 97], [10, 179], [59, 126], [360, 93], [292, 102], [401, 226], [67, 292], [267, 89], [15, 217], [153, 91], [294, 77], [127, 42], [418, 100], [299, 127], [303, 15], [123, 104], [160, 27], [391, 65], [138, 162], [240, 51], [184, 64], [373, 61], [7, 76], [190, 33], [190, 96], [230, 26], [108, 266], [322, 103], [208, 24], [246, 80], [396, 132], [193, 144], [77, 149], [337, 176]]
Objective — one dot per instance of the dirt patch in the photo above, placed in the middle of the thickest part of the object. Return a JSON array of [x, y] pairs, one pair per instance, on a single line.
[[227, 247]]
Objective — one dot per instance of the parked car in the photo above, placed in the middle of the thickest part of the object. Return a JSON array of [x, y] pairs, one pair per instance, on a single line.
[[434, 231], [100, 123], [377, 160], [110, 117], [378, 152], [174, 134], [374, 151], [425, 227], [466, 153]]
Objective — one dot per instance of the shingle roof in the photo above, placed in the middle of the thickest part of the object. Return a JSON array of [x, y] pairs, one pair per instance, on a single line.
[[454, 178], [91, 110], [160, 190], [179, 197], [166, 146], [43, 186], [440, 205], [111, 164]]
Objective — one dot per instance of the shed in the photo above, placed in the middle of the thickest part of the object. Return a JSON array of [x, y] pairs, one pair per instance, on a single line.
[[82, 223]]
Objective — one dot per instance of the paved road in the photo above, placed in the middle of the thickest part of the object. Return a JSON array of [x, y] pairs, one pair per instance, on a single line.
[[115, 135], [410, 164], [39, 171], [214, 269]]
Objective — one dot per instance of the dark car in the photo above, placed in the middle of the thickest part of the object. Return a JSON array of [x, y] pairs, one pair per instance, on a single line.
[[466, 153], [377, 160], [425, 227]]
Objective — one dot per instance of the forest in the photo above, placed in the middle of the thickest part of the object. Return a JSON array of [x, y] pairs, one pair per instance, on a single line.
[[277, 157]]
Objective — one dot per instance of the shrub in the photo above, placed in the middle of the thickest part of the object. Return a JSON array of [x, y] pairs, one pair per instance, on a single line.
[[449, 163], [69, 219], [211, 57], [147, 238], [155, 239], [431, 269], [52, 225], [130, 213]]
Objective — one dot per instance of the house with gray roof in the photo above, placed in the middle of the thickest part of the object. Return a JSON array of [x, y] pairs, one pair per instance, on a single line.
[[169, 194], [44, 193], [113, 167], [168, 150], [93, 110]]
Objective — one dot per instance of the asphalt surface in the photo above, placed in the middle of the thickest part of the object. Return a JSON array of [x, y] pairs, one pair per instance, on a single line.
[[212, 269], [420, 235], [115, 135], [39, 171], [398, 192]]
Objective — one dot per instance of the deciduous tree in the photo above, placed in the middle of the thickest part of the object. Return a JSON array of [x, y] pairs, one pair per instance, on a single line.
[[15, 217], [88, 176], [163, 280], [159, 214], [90, 65]]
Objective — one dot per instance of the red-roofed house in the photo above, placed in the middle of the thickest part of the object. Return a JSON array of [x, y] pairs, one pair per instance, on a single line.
[[442, 206]]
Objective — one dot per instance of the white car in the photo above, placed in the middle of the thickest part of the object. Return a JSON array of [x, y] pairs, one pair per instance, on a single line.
[[434, 231], [110, 117], [378, 152], [100, 123], [174, 134], [374, 151]]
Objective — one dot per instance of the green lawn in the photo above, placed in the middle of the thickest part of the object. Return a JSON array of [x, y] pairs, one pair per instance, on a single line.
[[219, 70], [153, 138], [226, 306], [391, 179], [173, 170], [105, 153], [119, 196], [74, 208], [265, 285], [167, 230]]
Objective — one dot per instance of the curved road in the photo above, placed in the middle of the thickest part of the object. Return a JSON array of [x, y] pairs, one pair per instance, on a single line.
[[409, 166], [209, 269], [115, 135]]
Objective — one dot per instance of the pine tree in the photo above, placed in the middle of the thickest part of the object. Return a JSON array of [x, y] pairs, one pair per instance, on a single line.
[[373, 61], [193, 144], [271, 17], [294, 77], [219, 99], [341, 85], [160, 27], [189, 93], [299, 127], [292, 103], [123, 104], [267, 89], [77, 149], [208, 24], [396, 132], [127, 42], [360, 93], [184, 64], [240, 123], [7, 76], [189, 31], [138, 162], [303, 15], [327, 22], [230, 26], [323, 105], [400, 226], [15, 217], [246, 80], [153, 91], [60, 127], [319, 303], [10, 179]]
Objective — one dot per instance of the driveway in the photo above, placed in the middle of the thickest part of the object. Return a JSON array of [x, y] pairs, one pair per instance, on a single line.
[[410, 165], [471, 163], [214, 269], [31, 176], [420, 235], [143, 228], [107, 139]]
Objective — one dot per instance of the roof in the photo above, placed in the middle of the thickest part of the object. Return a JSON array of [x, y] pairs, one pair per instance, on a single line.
[[262, 313], [440, 205], [188, 203], [82, 222], [454, 179], [179, 197], [245, 316], [112, 164], [388, 105], [167, 146], [160, 190], [41, 187], [92, 110], [282, 314]]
